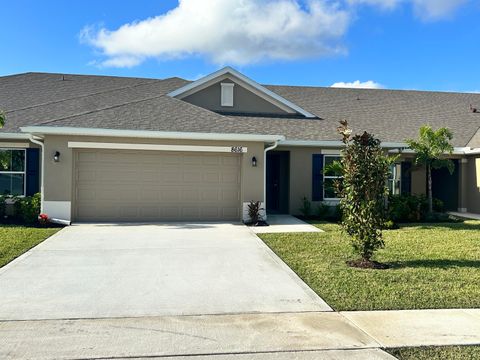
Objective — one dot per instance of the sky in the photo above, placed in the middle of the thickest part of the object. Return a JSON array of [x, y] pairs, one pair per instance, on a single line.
[[395, 44]]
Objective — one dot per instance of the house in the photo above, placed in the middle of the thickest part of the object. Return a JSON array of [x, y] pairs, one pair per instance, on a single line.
[[127, 149]]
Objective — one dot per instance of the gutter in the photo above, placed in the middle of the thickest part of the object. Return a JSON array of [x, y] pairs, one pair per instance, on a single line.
[[14, 136], [473, 152], [273, 146], [393, 146], [335, 144], [50, 130]]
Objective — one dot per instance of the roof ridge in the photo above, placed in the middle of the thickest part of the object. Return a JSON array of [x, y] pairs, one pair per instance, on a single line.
[[87, 75], [133, 102], [367, 89], [102, 109], [471, 137], [77, 97]]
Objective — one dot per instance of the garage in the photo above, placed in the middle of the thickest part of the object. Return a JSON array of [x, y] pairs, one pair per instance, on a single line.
[[121, 185]]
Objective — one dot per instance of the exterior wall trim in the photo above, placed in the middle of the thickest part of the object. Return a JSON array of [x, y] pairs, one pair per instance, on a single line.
[[52, 130], [155, 147]]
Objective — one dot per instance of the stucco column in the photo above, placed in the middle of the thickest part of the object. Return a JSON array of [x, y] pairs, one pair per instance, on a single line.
[[463, 185]]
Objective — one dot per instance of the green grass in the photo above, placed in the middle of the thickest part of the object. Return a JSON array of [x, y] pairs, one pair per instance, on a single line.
[[15, 240], [432, 266], [437, 353]]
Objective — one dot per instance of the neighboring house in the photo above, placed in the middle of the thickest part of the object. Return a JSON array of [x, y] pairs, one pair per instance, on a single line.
[[129, 149]]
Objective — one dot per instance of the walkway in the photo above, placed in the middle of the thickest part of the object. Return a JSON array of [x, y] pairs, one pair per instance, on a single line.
[[463, 215], [302, 336]]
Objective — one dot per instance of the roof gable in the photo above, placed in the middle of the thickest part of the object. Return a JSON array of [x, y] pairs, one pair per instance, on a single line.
[[276, 103]]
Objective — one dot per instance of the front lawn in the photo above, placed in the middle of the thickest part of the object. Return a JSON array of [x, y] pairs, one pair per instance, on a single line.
[[15, 240], [432, 266], [437, 353]]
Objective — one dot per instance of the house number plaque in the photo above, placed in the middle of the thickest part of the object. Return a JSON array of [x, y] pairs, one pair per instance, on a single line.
[[237, 149]]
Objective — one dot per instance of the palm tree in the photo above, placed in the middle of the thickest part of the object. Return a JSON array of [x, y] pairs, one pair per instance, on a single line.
[[430, 149]]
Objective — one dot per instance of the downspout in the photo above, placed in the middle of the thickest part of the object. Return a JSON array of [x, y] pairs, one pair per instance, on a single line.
[[42, 170], [275, 144], [42, 181]]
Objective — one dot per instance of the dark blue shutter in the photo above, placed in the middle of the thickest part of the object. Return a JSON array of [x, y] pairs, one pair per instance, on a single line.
[[33, 171], [317, 177], [406, 178]]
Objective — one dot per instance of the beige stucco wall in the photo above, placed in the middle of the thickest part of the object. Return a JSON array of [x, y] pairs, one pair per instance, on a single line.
[[301, 174], [59, 184], [244, 101], [473, 184]]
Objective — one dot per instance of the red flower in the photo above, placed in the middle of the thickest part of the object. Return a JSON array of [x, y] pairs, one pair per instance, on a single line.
[[43, 217]]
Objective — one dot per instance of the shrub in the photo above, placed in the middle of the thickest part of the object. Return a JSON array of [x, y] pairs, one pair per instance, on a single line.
[[323, 211], [3, 208], [306, 208], [389, 225], [254, 211], [439, 217], [411, 208], [27, 208], [336, 214], [365, 170]]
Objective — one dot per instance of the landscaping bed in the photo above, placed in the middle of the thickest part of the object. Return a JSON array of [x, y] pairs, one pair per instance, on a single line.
[[15, 240], [430, 266]]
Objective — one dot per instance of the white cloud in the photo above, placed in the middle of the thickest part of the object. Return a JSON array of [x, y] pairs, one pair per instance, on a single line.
[[358, 85], [384, 4], [227, 31], [436, 9], [424, 9]]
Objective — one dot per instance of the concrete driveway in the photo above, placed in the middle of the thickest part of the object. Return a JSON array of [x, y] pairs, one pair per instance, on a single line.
[[97, 271]]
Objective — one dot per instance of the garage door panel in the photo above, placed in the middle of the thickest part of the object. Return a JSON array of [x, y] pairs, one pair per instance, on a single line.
[[151, 186], [192, 176], [233, 161], [229, 212], [171, 176], [170, 159]]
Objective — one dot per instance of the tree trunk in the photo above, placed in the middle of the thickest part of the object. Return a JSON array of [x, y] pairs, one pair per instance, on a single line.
[[430, 196]]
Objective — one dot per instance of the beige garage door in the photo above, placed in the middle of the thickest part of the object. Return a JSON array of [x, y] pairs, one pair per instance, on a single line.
[[112, 185]]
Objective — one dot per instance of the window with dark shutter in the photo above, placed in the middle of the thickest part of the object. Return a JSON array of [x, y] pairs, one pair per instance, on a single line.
[[317, 177], [33, 171], [406, 178]]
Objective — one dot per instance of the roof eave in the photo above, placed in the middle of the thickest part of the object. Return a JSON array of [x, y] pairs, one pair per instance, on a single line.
[[51, 130], [13, 136]]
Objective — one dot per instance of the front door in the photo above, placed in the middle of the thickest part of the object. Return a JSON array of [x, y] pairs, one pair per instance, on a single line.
[[278, 172], [445, 187]]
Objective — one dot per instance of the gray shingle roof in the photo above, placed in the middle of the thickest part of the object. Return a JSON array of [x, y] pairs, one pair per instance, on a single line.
[[142, 104]]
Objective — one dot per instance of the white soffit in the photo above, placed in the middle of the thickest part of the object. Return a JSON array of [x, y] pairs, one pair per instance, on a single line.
[[243, 81]]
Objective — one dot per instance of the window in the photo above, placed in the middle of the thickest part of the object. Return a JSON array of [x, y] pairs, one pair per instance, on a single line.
[[227, 94], [329, 177], [394, 179], [12, 172]]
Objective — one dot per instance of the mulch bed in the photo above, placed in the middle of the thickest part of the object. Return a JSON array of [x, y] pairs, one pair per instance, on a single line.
[[365, 264]]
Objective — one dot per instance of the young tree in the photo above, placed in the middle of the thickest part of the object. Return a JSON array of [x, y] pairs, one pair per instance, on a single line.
[[363, 188], [2, 118], [430, 149]]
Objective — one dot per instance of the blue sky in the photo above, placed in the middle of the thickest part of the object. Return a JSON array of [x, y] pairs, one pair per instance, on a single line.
[[400, 44]]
